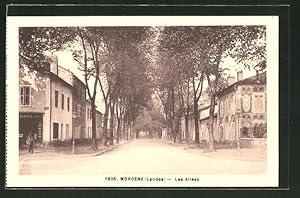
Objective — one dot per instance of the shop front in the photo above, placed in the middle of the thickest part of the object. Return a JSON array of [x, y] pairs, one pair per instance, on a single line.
[[30, 122]]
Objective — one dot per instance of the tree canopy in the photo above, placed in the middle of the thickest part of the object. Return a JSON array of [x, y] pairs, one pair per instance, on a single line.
[[127, 65]]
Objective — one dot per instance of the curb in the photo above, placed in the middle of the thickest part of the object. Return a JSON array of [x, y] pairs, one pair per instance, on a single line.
[[72, 156], [109, 149]]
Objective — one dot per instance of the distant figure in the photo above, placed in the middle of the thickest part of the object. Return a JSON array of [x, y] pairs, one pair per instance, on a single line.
[[30, 142]]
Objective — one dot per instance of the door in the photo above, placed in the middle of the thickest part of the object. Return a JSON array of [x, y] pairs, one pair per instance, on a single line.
[[55, 131], [67, 131]]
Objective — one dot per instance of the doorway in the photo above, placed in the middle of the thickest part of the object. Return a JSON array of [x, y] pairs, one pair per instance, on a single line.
[[55, 131]]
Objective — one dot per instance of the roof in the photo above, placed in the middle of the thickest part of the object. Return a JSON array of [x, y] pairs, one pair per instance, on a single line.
[[256, 79], [74, 76], [99, 112], [78, 80], [55, 77]]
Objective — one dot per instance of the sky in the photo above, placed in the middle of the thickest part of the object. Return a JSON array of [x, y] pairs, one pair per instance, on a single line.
[[65, 59]]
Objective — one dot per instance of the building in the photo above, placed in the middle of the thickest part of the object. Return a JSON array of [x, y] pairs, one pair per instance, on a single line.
[[53, 105], [242, 108], [88, 119], [240, 113], [99, 121], [99, 124], [34, 105], [60, 102], [203, 124], [79, 108], [45, 103]]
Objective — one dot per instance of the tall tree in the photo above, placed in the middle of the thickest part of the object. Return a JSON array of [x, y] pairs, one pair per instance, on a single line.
[[88, 57], [35, 42], [244, 43]]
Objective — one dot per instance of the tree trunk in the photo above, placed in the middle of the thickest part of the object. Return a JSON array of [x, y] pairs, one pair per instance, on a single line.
[[211, 125], [173, 115], [94, 137], [186, 122], [196, 119], [121, 136], [211, 119], [179, 130], [130, 130], [196, 99], [105, 125], [118, 130], [111, 128], [186, 117], [118, 125], [124, 128]]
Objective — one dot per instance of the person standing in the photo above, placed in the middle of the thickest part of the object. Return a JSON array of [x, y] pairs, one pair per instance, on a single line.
[[30, 142]]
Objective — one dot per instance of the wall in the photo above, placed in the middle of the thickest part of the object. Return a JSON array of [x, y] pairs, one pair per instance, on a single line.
[[39, 96], [241, 110], [79, 110], [253, 108], [99, 129], [66, 75], [88, 122], [59, 115], [204, 126], [227, 116]]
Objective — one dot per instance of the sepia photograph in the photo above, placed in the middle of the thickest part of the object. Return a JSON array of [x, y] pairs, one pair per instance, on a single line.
[[142, 101]]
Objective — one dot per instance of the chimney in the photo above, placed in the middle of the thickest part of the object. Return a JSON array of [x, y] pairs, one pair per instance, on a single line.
[[239, 75], [53, 64], [230, 80]]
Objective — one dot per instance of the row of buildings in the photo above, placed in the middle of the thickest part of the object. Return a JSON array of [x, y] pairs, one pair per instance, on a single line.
[[53, 105], [240, 113]]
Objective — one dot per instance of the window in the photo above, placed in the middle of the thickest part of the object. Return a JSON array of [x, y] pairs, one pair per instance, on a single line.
[[82, 111], [62, 101], [68, 104], [88, 113], [258, 103], [56, 99], [25, 95], [83, 94], [78, 110], [91, 114], [246, 103]]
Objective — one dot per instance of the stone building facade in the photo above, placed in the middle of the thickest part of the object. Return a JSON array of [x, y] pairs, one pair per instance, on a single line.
[[45, 103], [99, 124], [242, 109], [240, 113], [34, 105], [79, 111], [53, 105], [203, 125]]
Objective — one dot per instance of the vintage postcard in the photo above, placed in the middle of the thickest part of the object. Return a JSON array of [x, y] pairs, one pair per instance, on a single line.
[[142, 101]]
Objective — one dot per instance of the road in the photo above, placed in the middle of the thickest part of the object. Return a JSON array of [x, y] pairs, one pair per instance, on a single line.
[[143, 157]]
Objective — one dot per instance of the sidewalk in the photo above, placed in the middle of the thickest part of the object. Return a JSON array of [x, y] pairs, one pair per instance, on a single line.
[[244, 154], [53, 152]]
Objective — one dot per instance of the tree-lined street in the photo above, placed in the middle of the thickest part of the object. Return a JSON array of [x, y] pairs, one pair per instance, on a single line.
[[149, 78], [143, 156]]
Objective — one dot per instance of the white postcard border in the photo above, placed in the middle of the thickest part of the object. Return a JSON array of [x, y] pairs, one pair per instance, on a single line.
[[270, 179]]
